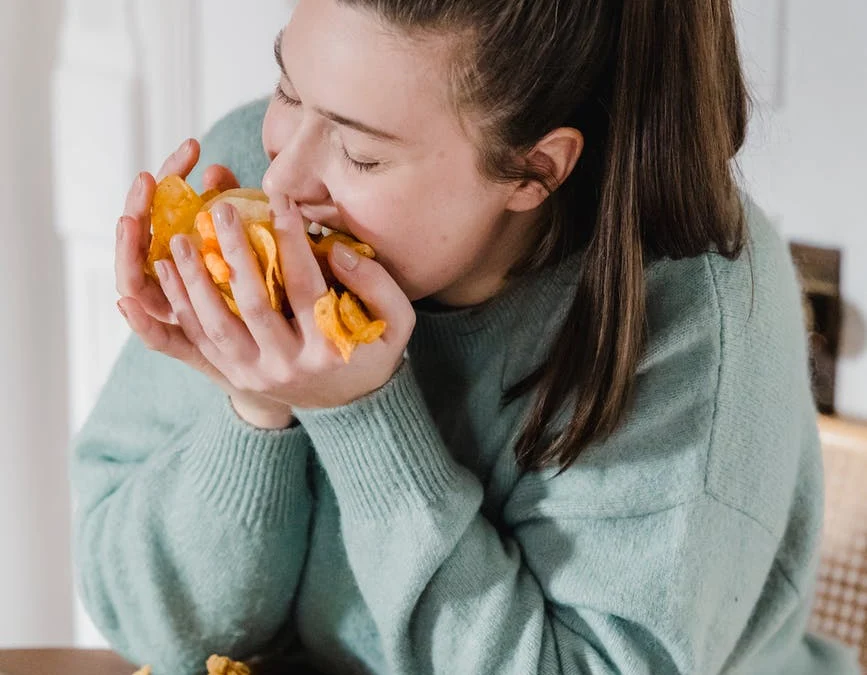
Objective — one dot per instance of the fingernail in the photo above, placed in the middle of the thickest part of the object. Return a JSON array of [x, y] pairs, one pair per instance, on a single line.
[[222, 214], [120, 229], [181, 247], [162, 268], [345, 256], [139, 183], [187, 145], [122, 310]]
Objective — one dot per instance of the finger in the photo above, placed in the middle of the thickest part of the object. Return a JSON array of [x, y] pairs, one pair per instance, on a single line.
[[130, 277], [302, 277], [377, 290], [203, 301], [160, 337], [268, 327], [181, 161], [131, 248], [220, 178]]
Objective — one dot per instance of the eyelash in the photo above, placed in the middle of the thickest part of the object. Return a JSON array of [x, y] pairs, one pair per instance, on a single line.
[[358, 166]]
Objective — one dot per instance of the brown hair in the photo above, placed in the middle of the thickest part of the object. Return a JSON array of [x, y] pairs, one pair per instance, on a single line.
[[657, 90]]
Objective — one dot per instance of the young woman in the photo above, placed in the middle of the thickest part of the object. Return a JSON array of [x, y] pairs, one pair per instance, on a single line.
[[586, 442]]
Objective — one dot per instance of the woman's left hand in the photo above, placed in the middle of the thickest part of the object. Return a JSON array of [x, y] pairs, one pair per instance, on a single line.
[[287, 361]]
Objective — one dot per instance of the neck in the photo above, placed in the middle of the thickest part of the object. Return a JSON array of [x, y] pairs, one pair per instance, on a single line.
[[508, 242]]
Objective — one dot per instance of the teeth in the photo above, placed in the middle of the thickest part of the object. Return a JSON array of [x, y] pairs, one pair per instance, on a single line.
[[326, 231], [315, 228]]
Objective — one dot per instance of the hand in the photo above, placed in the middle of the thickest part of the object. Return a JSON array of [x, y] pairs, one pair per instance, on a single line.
[[133, 228], [143, 302], [267, 357]]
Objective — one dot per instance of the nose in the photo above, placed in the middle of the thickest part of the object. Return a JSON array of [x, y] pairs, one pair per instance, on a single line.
[[296, 169]]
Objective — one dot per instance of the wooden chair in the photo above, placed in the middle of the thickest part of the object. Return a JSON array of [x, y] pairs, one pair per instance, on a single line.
[[840, 609]]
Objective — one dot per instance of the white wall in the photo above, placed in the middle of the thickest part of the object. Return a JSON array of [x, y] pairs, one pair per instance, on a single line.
[[808, 142], [35, 592], [134, 79]]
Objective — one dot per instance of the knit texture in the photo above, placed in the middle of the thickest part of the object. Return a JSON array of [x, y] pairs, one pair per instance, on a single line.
[[397, 535]]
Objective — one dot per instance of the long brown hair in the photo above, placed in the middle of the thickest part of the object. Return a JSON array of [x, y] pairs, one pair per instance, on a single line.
[[657, 90]]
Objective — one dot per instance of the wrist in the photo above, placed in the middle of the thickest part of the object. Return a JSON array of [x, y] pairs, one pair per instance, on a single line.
[[270, 418]]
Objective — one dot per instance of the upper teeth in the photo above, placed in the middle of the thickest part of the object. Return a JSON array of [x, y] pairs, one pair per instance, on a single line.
[[326, 231], [315, 228]]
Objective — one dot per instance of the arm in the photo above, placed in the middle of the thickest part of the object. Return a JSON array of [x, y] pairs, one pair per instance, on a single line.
[[567, 585], [190, 525]]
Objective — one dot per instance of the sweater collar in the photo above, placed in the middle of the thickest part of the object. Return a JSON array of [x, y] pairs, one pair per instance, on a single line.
[[526, 304]]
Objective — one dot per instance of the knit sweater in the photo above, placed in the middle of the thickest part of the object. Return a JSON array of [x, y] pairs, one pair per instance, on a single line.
[[396, 534]]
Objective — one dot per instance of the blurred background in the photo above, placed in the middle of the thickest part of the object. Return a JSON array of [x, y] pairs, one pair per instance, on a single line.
[[94, 91]]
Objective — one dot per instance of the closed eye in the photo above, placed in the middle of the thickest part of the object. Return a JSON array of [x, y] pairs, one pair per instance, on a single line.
[[283, 97]]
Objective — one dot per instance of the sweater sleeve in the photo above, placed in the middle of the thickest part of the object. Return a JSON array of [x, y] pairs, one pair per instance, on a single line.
[[190, 526], [562, 584]]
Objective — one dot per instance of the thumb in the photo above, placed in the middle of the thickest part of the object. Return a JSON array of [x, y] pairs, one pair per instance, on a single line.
[[220, 178]]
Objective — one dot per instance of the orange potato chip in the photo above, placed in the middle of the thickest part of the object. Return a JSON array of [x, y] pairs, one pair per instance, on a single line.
[[240, 193], [265, 247], [326, 312], [215, 264], [205, 226], [223, 665], [208, 195], [173, 211], [352, 314], [177, 209], [370, 333]]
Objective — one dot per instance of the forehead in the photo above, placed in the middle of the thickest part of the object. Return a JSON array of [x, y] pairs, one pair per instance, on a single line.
[[348, 61]]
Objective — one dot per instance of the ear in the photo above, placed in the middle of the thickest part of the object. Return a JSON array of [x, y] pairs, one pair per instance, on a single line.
[[555, 155]]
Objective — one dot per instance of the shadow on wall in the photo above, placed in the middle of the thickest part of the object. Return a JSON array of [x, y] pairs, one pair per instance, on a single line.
[[854, 338]]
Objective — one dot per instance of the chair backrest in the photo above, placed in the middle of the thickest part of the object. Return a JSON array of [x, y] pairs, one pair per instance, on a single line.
[[840, 608]]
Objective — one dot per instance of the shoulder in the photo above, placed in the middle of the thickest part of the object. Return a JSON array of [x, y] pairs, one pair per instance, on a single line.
[[235, 140], [722, 404], [734, 336]]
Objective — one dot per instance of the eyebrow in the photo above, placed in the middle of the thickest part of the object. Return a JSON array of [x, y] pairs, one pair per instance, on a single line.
[[334, 117]]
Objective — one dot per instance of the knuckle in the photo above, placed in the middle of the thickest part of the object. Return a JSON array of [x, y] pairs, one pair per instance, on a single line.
[[257, 311], [281, 372], [218, 334]]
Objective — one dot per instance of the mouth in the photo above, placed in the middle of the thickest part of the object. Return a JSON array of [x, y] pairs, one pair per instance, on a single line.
[[315, 229]]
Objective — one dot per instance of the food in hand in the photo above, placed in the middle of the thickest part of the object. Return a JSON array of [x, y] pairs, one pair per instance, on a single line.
[[178, 209]]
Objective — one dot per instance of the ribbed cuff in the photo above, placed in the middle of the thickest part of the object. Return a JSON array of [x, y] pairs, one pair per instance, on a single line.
[[383, 453], [256, 476]]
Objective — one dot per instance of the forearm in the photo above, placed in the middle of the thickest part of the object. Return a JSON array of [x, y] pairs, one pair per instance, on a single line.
[[449, 592], [199, 548]]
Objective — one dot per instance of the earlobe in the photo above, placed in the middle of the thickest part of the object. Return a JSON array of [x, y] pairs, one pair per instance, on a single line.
[[556, 156]]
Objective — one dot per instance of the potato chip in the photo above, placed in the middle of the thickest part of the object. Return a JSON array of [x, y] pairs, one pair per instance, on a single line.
[[263, 243], [205, 226], [177, 209], [239, 193], [352, 314], [251, 204], [223, 665], [208, 195], [215, 264], [370, 333], [326, 312], [173, 211]]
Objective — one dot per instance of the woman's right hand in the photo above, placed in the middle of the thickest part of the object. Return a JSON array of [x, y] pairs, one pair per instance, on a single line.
[[144, 304], [133, 228]]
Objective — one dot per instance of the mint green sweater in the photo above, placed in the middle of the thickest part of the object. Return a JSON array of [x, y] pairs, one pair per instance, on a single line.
[[397, 535]]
